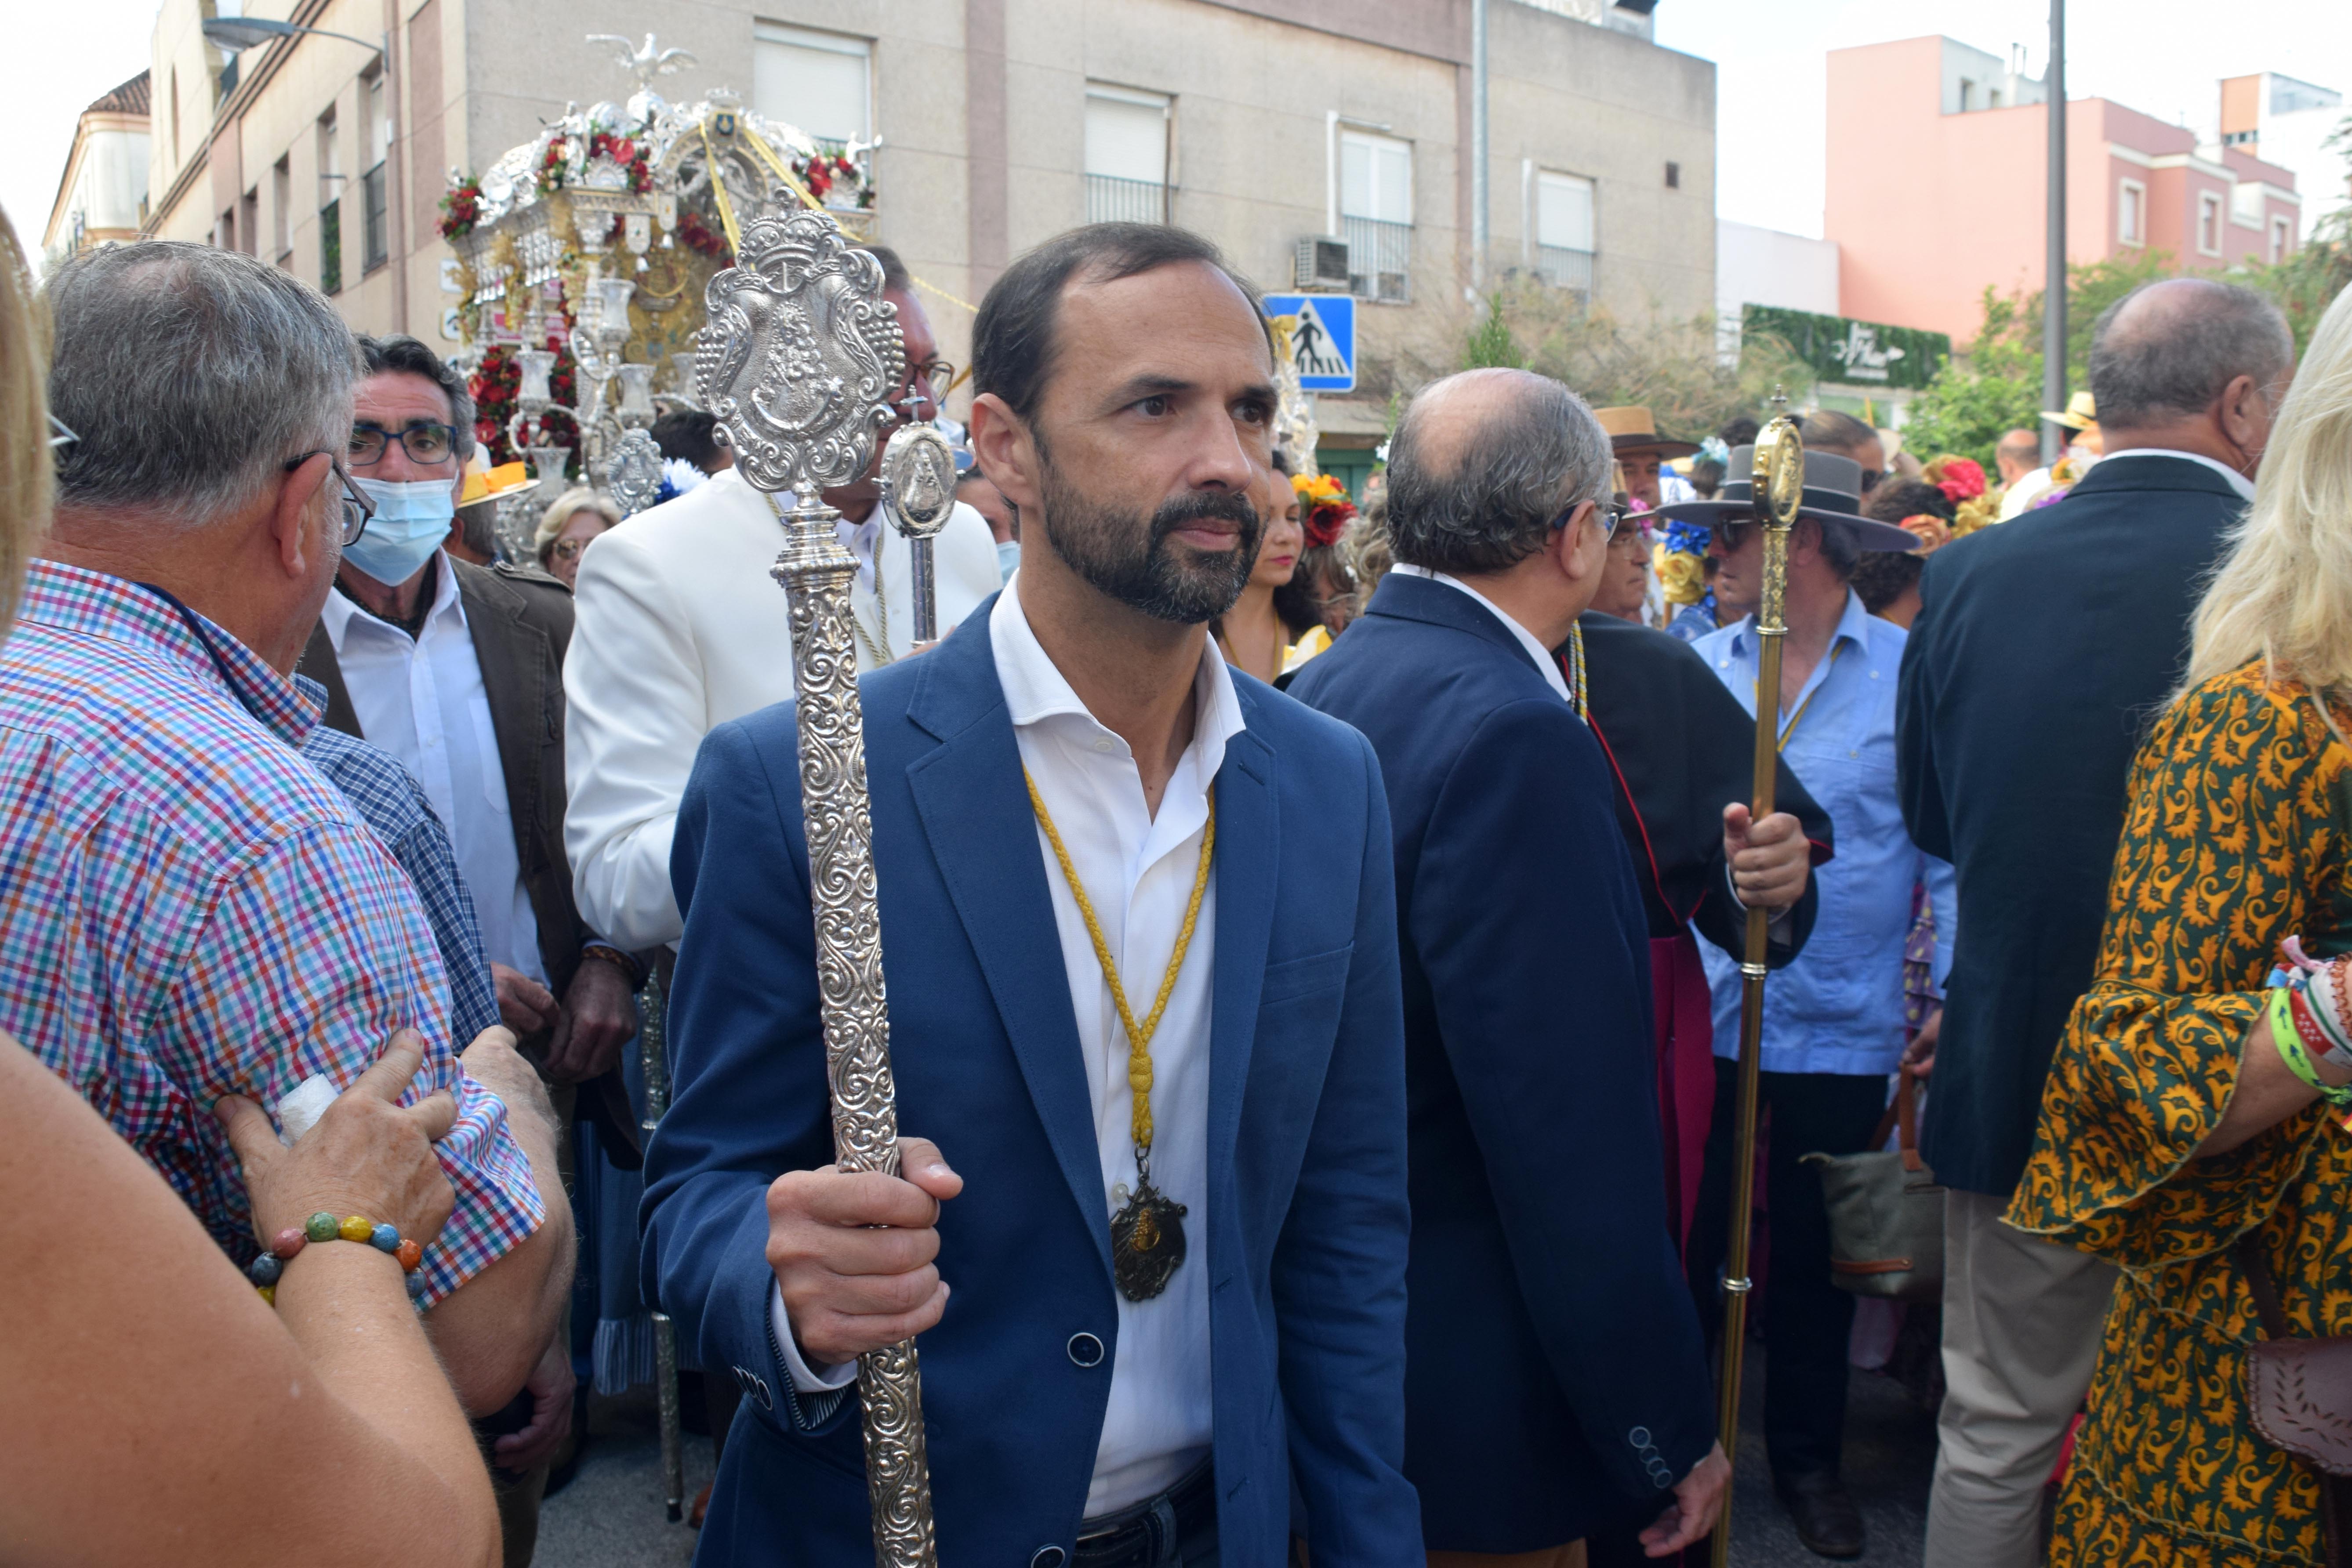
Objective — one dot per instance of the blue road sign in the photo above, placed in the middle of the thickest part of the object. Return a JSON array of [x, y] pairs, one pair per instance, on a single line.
[[1323, 338]]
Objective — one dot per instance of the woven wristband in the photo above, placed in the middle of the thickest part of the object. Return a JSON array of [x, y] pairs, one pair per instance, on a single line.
[[2322, 989], [2286, 1035]]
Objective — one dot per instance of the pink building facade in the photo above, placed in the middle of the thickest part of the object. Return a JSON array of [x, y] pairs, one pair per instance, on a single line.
[[1933, 196]]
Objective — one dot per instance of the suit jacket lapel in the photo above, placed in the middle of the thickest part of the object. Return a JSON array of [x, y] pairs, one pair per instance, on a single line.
[[518, 672], [1248, 842], [318, 662], [976, 817]]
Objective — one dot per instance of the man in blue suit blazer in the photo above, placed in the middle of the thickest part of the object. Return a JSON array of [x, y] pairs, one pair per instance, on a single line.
[[1555, 1383], [1148, 364]]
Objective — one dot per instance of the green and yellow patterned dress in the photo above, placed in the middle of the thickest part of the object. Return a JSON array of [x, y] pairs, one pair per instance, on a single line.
[[2235, 839]]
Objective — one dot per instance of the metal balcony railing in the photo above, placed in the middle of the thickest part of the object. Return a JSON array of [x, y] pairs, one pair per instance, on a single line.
[[331, 247], [1565, 269], [1111, 199], [1380, 259]]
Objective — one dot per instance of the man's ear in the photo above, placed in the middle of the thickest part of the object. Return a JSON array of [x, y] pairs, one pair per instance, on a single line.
[[1007, 453], [292, 512], [1578, 547], [2238, 420]]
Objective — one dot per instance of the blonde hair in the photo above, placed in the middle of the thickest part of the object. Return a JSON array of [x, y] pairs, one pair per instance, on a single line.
[[27, 471], [2284, 592], [578, 499]]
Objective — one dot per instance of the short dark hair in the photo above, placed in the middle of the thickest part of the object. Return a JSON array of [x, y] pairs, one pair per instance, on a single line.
[[1831, 431], [1896, 499], [1880, 575], [1738, 431], [687, 433], [1491, 502], [1013, 337], [407, 356], [2176, 354], [895, 278]]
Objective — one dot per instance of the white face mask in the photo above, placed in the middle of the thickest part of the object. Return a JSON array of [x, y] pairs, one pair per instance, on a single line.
[[1008, 560], [412, 518]]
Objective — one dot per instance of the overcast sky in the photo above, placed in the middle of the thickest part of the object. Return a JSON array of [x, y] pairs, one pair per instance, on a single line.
[[2162, 57]]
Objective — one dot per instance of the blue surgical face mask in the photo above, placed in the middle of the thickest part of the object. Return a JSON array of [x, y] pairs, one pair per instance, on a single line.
[[412, 518], [1008, 560]]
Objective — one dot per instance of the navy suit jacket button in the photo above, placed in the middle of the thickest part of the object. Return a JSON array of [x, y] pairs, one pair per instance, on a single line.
[[1048, 1557], [1086, 1351]]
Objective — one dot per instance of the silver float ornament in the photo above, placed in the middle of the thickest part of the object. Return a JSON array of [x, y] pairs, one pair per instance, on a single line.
[[918, 495], [634, 472], [798, 363]]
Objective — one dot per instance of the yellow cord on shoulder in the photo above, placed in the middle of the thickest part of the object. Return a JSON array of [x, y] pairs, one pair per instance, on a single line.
[[1139, 1036]]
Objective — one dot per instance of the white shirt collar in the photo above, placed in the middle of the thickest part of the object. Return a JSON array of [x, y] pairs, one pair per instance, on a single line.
[[340, 609], [1035, 689], [2238, 481], [1546, 665]]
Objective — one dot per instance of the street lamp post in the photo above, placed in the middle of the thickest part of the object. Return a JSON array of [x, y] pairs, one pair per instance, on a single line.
[[2053, 284]]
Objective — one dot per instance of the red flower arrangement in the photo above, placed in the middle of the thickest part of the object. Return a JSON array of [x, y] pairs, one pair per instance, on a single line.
[[701, 238], [1325, 510], [553, 166], [820, 172], [496, 383], [626, 153], [461, 208], [1960, 478]]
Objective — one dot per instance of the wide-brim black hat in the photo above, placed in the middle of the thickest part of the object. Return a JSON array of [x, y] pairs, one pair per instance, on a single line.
[[1832, 492]]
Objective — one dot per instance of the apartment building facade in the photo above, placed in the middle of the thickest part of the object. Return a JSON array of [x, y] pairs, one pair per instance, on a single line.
[[1269, 125], [1933, 194], [102, 193]]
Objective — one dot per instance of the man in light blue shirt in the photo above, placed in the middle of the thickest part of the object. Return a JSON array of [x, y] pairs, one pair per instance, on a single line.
[[1834, 1022]]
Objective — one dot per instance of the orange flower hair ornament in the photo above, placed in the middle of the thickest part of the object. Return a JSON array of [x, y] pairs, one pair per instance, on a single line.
[[1324, 510], [1934, 531]]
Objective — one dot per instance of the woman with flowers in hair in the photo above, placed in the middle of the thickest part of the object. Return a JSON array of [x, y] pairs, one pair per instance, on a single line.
[[2194, 1127], [1283, 617]]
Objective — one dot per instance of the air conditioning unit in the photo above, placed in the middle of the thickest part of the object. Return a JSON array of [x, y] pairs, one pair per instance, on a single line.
[[1322, 264]]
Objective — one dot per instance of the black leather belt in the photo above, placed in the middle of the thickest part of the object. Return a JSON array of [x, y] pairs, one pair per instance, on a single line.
[[1149, 1533]]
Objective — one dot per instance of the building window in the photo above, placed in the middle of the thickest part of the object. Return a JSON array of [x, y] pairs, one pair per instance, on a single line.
[[281, 210], [2131, 213], [249, 222], [822, 82], [1376, 214], [331, 206], [1968, 95], [1563, 231], [2209, 222], [375, 244], [1674, 176], [2281, 238], [1127, 155], [1992, 97]]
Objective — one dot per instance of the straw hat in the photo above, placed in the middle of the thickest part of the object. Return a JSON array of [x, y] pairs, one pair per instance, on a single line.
[[1631, 429], [2081, 413]]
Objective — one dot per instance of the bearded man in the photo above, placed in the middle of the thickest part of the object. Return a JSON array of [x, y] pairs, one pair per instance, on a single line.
[[1139, 925]]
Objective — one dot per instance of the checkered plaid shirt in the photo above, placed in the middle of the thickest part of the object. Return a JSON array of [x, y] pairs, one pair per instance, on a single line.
[[187, 909], [390, 800]]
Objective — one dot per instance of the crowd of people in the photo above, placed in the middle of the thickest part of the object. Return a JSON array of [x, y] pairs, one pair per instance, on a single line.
[[1315, 942]]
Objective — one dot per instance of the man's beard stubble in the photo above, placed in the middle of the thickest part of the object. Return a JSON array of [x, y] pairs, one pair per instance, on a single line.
[[1116, 552]]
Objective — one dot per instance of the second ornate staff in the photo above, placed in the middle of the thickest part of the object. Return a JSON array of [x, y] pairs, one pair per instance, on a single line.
[[798, 363], [1780, 486]]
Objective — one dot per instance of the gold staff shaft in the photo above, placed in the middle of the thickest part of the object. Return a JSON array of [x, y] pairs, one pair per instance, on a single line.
[[1777, 453]]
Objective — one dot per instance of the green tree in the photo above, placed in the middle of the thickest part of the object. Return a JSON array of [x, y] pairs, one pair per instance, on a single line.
[[1490, 344]]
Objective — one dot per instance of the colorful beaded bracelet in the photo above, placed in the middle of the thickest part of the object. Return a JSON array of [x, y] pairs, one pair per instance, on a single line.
[[2296, 1031], [265, 1269]]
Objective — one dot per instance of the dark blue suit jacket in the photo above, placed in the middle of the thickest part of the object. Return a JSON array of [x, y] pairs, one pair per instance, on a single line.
[[2043, 650], [1555, 1377], [1305, 1233]]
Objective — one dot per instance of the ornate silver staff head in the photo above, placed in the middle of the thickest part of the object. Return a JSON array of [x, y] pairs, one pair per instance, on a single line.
[[919, 481], [802, 353], [633, 471]]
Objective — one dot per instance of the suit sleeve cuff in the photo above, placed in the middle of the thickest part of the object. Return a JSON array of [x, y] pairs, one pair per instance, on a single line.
[[833, 1380]]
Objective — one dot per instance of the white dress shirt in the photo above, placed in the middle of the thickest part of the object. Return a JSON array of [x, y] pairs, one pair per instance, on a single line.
[[2238, 481], [678, 629], [1546, 665], [1138, 869], [422, 700]]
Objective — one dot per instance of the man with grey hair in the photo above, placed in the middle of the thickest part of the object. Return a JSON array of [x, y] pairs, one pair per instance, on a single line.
[[192, 911], [2043, 648], [1555, 1383]]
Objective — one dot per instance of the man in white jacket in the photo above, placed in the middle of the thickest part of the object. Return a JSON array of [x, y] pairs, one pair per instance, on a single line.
[[678, 628]]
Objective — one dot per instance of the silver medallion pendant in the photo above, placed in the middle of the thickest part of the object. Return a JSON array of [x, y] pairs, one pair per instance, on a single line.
[[1147, 1243]]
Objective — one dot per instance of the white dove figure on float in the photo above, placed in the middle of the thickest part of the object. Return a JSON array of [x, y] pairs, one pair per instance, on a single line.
[[646, 62]]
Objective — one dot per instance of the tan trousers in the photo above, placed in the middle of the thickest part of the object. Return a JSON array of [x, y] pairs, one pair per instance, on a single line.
[[1568, 1556], [2022, 1327]]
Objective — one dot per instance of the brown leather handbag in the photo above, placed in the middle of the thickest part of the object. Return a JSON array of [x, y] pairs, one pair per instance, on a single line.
[[2299, 1396]]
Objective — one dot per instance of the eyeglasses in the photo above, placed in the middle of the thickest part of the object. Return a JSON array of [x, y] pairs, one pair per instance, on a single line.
[[353, 506], [1870, 478], [569, 549], [423, 442], [1730, 536], [61, 436], [1608, 514], [928, 383]]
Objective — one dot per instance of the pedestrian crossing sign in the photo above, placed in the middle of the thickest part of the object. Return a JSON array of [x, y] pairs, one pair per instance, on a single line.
[[1322, 338]]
